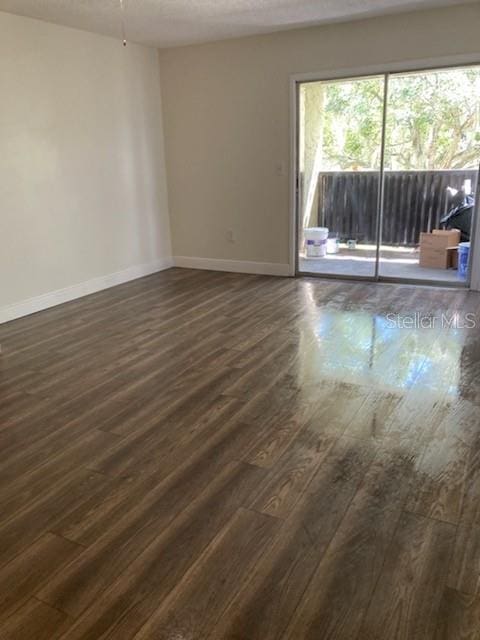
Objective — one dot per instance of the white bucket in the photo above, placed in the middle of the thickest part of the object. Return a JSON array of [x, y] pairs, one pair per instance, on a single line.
[[315, 241], [332, 245]]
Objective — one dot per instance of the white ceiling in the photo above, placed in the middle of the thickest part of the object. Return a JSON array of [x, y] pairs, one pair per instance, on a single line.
[[166, 23]]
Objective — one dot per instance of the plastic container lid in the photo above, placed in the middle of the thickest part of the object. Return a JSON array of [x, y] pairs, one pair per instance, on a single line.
[[316, 232]]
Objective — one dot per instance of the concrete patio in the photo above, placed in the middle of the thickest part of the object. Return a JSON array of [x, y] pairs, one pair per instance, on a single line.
[[395, 262]]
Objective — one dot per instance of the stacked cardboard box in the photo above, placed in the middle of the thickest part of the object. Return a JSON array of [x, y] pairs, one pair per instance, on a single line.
[[438, 250]]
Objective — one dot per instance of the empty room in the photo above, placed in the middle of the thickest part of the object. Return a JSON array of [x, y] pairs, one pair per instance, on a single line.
[[239, 320]]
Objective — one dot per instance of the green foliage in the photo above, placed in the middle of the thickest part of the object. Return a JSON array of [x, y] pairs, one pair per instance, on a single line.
[[433, 122]]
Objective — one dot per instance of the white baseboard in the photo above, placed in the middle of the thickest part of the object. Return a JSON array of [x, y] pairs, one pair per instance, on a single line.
[[235, 266], [51, 299]]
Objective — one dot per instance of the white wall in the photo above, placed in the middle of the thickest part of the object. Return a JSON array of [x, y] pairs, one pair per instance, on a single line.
[[82, 178], [226, 113]]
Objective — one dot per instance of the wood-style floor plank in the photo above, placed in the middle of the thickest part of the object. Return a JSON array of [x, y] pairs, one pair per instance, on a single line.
[[156, 571], [441, 483], [28, 571], [459, 617], [285, 484], [343, 583], [407, 598], [465, 563], [193, 607], [263, 608], [35, 621], [219, 456]]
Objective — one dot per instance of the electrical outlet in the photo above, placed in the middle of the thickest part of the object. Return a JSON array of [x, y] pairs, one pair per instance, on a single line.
[[229, 236], [280, 169]]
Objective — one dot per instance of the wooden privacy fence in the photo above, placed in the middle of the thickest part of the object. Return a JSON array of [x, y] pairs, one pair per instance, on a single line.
[[415, 201]]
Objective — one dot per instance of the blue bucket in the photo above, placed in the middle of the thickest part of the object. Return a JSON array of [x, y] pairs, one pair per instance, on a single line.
[[463, 253]]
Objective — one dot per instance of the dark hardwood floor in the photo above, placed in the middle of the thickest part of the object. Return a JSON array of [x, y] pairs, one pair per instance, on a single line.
[[198, 455]]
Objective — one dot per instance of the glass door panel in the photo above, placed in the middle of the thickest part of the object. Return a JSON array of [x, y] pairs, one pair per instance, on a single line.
[[432, 152], [339, 162]]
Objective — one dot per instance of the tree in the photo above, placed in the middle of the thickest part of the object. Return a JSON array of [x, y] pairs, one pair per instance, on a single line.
[[433, 122], [353, 124]]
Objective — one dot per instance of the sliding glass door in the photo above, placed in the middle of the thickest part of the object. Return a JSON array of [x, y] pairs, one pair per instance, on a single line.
[[340, 150], [387, 172], [432, 152]]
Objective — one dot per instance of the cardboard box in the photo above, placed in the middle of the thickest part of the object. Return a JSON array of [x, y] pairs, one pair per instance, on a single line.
[[436, 248], [453, 234], [433, 258], [453, 257]]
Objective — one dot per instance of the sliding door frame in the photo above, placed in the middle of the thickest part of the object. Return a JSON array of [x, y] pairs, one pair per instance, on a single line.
[[296, 80], [381, 185]]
